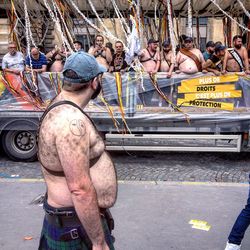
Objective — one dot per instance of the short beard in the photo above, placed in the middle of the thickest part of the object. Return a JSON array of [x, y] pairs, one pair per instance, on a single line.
[[237, 46]]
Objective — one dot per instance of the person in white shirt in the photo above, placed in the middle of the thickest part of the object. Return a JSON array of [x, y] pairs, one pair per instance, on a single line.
[[13, 61]]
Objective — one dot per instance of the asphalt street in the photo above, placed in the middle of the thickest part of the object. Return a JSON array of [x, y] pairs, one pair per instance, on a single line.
[[148, 216], [159, 196]]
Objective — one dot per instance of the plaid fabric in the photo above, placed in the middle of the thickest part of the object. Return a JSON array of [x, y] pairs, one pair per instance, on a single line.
[[50, 238]]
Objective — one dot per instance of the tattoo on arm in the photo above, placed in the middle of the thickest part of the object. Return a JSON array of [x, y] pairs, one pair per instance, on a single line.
[[77, 127]]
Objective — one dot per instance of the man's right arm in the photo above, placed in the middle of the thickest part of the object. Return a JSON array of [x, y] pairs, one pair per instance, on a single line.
[[73, 150], [224, 64], [92, 50], [206, 66]]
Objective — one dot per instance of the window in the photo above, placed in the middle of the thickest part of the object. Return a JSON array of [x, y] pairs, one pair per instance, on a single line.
[[84, 40], [202, 21]]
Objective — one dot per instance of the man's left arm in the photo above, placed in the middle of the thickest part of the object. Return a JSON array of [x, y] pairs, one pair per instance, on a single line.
[[108, 55], [246, 61], [158, 62]]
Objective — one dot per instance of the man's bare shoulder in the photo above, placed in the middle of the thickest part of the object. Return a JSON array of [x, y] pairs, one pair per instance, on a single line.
[[65, 118], [91, 49], [195, 50]]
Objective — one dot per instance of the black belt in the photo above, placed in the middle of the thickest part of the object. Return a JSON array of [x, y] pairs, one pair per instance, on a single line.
[[68, 219]]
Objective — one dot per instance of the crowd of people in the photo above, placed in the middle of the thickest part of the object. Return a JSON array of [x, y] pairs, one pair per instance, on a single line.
[[154, 58]]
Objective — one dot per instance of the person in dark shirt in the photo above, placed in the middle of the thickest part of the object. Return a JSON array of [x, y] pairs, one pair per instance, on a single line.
[[37, 60], [214, 64], [118, 63], [209, 50]]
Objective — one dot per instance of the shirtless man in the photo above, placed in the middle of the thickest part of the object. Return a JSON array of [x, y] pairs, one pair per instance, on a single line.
[[150, 57], [189, 59], [150, 60], [79, 174], [167, 59], [57, 65], [214, 63], [102, 54], [236, 58]]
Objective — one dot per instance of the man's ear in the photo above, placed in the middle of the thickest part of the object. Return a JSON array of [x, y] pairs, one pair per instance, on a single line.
[[94, 83]]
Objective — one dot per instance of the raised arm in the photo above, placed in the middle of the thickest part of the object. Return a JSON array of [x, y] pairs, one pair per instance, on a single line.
[[92, 50], [108, 55], [158, 62], [73, 145]]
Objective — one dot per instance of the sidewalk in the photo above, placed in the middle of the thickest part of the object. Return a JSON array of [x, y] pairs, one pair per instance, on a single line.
[[147, 215]]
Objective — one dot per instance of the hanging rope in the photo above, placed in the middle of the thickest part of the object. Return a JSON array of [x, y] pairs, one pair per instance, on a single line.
[[244, 9], [28, 38], [125, 28], [171, 29], [56, 20], [190, 19], [110, 35], [226, 14], [56, 7]]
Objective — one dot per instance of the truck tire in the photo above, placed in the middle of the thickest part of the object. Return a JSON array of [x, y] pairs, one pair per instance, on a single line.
[[20, 145]]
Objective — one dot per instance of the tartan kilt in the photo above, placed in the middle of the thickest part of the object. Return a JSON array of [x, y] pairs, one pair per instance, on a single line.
[[50, 237]]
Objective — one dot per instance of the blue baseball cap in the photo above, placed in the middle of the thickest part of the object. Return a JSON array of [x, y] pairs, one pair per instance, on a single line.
[[84, 65]]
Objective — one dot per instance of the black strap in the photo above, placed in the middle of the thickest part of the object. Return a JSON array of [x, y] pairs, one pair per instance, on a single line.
[[150, 58], [169, 64], [99, 54], [61, 103], [237, 57], [61, 173]]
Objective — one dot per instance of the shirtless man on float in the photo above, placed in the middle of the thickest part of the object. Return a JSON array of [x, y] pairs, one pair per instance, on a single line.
[[236, 58], [57, 65], [150, 60], [56, 58], [102, 54], [189, 59], [167, 59], [79, 173], [150, 57]]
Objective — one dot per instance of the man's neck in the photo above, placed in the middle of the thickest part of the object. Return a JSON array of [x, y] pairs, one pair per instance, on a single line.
[[151, 51], [238, 48], [166, 52], [81, 99]]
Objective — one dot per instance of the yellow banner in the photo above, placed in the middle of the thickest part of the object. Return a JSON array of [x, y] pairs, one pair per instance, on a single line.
[[210, 80], [206, 104], [206, 88], [214, 95]]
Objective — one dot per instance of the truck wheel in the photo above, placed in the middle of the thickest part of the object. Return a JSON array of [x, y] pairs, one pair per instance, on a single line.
[[20, 145]]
